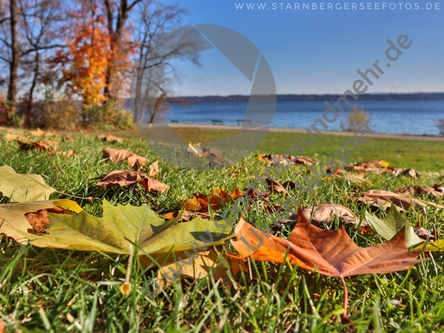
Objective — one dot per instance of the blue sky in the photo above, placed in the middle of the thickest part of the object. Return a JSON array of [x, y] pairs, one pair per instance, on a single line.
[[319, 51]]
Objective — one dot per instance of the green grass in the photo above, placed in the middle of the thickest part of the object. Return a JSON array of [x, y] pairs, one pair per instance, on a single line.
[[61, 290], [421, 155]]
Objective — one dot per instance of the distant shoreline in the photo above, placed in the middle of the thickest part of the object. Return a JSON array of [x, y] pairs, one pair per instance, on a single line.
[[300, 130], [311, 98]]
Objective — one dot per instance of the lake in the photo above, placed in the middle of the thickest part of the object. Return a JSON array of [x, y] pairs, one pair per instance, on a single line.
[[394, 117]]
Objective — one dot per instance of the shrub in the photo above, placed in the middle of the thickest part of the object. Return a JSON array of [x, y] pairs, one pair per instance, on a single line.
[[356, 119], [108, 116], [440, 124]]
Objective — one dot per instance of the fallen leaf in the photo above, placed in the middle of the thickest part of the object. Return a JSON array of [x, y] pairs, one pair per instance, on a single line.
[[369, 166], [412, 190], [287, 160], [14, 137], [48, 142], [39, 220], [128, 178], [67, 154], [400, 200], [324, 213], [121, 227], [329, 252], [134, 158], [389, 226], [153, 169], [110, 138], [424, 234], [433, 246], [13, 222], [407, 172], [2, 326], [68, 138], [200, 267], [187, 215], [200, 201], [23, 187], [116, 155], [36, 146], [274, 186]]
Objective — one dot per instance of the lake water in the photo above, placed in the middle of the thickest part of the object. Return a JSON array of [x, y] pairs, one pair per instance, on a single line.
[[394, 117]]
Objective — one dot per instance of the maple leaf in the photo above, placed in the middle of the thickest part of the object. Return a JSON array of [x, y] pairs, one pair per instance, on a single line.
[[123, 226], [330, 252], [212, 260], [389, 226], [13, 217], [23, 187], [128, 178], [116, 155]]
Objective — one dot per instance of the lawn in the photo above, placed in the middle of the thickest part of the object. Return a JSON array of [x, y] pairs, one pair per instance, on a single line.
[[421, 155], [54, 290]]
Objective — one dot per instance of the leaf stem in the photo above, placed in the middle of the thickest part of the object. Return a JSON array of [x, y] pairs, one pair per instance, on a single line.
[[344, 317]]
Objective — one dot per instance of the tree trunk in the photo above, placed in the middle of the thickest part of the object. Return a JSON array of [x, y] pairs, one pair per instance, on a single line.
[[116, 38], [31, 90], [13, 67]]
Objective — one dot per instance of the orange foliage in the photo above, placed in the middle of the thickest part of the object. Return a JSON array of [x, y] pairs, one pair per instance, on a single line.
[[85, 60]]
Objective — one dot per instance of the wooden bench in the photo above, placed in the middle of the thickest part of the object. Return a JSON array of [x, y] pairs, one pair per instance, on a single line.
[[217, 122], [246, 122]]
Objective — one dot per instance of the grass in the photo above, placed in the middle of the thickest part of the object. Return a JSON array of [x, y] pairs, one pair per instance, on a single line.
[[421, 155], [59, 290]]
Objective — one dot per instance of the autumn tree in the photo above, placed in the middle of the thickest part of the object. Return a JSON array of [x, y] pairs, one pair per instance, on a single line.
[[84, 62]]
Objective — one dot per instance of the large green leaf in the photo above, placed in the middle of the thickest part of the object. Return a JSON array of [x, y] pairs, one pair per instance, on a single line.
[[391, 224], [122, 226], [13, 222], [23, 187]]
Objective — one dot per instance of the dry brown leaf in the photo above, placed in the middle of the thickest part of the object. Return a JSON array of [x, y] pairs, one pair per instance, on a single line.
[[200, 201], [39, 220], [438, 188], [35, 146], [407, 172], [187, 215], [131, 178], [110, 138], [412, 190], [137, 161], [48, 142], [301, 160], [14, 137], [326, 212], [400, 200], [2, 326], [275, 186], [329, 252], [153, 169], [67, 154], [68, 138], [115, 155]]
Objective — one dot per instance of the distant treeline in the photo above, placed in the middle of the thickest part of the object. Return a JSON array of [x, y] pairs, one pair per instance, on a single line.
[[328, 97]]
